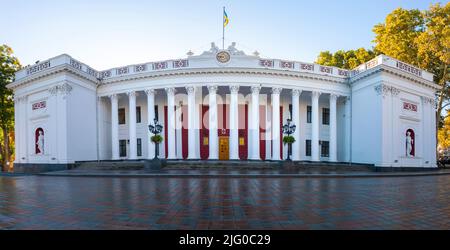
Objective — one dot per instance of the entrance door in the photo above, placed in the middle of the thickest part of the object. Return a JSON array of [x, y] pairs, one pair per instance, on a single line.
[[224, 148]]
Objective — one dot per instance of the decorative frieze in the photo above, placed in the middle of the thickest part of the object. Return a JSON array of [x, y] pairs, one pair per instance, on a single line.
[[63, 89], [409, 68], [75, 64], [91, 72], [383, 89], [428, 100], [372, 63], [343, 72], [37, 68]]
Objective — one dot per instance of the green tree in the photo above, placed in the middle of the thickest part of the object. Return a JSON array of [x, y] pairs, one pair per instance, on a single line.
[[421, 38], [345, 59], [444, 133], [9, 64]]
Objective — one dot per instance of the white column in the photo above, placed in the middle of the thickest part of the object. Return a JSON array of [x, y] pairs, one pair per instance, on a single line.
[[132, 124], [296, 120], [315, 126], [150, 117], [114, 126], [234, 123], [333, 142], [347, 136], [171, 123], [192, 151], [213, 126], [276, 123], [254, 130], [18, 133]]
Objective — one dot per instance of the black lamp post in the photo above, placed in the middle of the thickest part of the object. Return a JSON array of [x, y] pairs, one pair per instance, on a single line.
[[289, 129], [155, 129]]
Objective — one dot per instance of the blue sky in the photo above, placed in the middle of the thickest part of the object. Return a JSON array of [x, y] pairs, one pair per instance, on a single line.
[[107, 34]]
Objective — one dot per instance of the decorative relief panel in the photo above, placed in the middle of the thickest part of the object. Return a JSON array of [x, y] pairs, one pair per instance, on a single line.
[[307, 66], [91, 72], [121, 71], [372, 63], [105, 74], [140, 68], [266, 63], [39, 105], [287, 64], [180, 63], [159, 65], [63, 89], [75, 64], [37, 68], [342, 72], [324, 69], [409, 106], [409, 68]]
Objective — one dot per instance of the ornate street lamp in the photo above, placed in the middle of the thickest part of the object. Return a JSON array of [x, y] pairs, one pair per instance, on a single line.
[[289, 129], [156, 129]]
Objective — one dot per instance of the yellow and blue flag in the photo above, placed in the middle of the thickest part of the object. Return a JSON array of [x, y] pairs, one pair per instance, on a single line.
[[225, 18]]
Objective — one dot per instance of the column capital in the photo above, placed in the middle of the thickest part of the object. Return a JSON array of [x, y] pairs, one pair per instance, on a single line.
[[316, 94], [255, 89], [113, 96], [170, 91], [296, 92], [212, 88], [131, 93], [276, 90], [334, 96], [190, 89], [234, 89], [150, 91]]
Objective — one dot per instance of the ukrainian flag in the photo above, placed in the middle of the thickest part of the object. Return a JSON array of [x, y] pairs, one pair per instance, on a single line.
[[225, 18]]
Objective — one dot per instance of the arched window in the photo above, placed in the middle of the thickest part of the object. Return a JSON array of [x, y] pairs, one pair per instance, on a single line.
[[39, 141], [410, 143]]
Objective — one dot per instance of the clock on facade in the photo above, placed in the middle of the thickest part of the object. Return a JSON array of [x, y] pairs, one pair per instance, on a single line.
[[223, 57]]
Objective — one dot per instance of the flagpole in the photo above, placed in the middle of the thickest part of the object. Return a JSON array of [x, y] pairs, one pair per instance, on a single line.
[[223, 28]]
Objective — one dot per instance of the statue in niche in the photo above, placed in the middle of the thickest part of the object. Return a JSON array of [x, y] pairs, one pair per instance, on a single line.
[[39, 144], [410, 143]]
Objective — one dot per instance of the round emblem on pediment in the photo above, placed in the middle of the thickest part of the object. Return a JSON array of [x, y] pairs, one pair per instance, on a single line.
[[223, 57]]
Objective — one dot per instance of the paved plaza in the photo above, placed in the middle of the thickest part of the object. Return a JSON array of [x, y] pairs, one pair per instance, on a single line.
[[62, 202]]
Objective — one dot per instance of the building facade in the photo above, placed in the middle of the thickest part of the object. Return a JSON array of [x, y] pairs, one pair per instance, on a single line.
[[224, 105]]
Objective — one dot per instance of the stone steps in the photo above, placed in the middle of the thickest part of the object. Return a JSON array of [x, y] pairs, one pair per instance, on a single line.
[[110, 165]]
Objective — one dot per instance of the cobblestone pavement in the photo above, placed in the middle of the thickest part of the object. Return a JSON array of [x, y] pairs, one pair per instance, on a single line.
[[45, 202]]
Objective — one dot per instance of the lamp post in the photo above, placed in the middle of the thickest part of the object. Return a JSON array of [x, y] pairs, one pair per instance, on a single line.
[[289, 129], [155, 129]]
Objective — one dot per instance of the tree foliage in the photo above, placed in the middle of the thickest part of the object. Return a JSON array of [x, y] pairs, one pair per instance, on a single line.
[[444, 132], [345, 59], [9, 64]]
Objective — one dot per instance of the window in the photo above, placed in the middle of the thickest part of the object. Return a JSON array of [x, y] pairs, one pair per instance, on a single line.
[[121, 116], [138, 114], [123, 148], [308, 114], [325, 149], [308, 147], [139, 147], [326, 116]]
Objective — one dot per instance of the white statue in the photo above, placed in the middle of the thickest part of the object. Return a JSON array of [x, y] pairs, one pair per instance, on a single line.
[[40, 142], [409, 143]]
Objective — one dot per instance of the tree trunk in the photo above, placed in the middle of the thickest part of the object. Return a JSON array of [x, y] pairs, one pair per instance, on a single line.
[[5, 153]]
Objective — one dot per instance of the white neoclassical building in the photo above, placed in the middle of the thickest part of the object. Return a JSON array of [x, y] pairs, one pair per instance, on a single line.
[[224, 105]]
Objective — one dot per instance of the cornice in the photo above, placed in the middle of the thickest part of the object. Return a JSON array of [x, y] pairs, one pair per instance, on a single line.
[[394, 71], [53, 71], [229, 71]]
